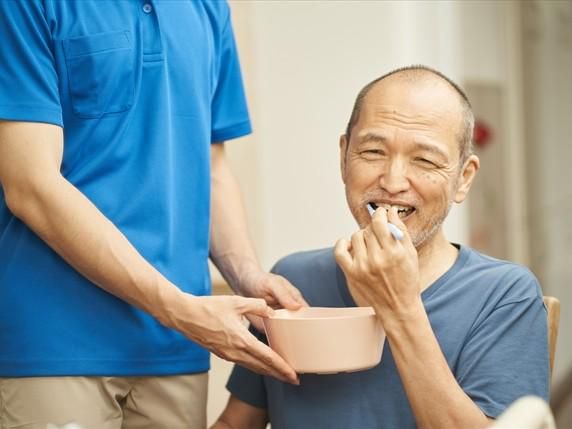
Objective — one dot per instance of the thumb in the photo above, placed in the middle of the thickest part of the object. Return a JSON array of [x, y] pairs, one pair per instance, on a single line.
[[394, 218], [254, 306], [287, 295], [257, 322]]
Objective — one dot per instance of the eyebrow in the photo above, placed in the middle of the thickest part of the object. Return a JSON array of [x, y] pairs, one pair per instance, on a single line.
[[430, 148], [372, 137], [419, 145]]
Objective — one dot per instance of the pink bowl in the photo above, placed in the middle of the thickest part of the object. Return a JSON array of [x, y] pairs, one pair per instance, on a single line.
[[326, 340]]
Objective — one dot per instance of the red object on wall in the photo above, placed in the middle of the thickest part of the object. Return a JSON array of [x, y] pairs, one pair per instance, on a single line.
[[483, 134]]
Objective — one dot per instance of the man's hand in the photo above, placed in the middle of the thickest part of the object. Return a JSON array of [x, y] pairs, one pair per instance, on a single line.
[[217, 323], [380, 270]]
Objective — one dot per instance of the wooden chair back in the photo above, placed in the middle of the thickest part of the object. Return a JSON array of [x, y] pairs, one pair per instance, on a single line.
[[553, 309]]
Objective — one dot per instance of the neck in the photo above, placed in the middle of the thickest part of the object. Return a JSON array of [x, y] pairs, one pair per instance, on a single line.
[[436, 257]]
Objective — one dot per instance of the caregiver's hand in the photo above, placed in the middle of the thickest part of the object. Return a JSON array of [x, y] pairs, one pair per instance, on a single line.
[[217, 323], [274, 289]]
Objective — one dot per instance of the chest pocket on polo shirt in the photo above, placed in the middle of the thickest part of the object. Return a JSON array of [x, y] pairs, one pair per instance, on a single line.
[[100, 73]]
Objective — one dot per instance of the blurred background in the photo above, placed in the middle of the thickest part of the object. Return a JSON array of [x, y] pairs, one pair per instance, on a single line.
[[303, 64]]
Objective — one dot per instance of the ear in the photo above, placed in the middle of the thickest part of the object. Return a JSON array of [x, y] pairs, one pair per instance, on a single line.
[[343, 152], [466, 178]]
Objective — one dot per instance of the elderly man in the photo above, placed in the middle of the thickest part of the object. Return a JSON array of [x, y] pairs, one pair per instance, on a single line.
[[466, 333]]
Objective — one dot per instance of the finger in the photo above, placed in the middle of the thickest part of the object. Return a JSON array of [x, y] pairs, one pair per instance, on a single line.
[[297, 296], [342, 255], [264, 357], [245, 359], [386, 232], [394, 218], [379, 226], [374, 248], [256, 321], [358, 246], [256, 306], [286, 294]]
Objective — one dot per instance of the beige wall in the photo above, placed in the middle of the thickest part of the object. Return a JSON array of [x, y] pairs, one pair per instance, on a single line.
[[548, 67]]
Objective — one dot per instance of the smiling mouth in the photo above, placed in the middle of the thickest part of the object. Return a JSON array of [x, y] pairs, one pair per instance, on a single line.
[[402, 211]]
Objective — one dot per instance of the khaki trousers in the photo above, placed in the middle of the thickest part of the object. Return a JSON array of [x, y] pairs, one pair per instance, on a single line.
[[173, 402]]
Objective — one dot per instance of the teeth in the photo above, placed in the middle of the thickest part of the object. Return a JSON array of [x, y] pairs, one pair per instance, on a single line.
[[400, 209]]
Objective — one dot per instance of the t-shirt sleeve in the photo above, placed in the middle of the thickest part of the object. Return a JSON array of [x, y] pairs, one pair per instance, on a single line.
[[506, 356], [28, 79], [247, 385], [229, 109]]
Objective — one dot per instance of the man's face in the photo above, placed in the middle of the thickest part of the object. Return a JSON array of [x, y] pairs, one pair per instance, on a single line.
[[404, 152]]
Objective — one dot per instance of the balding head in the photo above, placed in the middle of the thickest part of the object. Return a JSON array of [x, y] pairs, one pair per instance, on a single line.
[[422, 75]]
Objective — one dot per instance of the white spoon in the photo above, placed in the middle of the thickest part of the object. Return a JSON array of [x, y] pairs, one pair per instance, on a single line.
[[395, 231]]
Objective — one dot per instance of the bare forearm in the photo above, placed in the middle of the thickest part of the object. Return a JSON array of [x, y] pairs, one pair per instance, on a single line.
[[435, 397], [231, 249], [69, 223]]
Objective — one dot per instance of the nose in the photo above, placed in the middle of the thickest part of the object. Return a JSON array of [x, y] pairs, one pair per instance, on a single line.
[[393, 178]]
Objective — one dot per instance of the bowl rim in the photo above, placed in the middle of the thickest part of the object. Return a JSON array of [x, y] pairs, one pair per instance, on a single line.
[[289, 315]]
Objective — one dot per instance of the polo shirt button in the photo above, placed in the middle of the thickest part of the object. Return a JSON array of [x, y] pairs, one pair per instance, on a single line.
[[147, 8]]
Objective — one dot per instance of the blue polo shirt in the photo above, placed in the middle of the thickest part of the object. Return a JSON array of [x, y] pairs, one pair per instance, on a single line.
[[141, 89]]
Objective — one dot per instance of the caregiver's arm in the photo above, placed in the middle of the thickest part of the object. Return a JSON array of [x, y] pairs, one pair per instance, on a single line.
[[36, 192], [231, 249]]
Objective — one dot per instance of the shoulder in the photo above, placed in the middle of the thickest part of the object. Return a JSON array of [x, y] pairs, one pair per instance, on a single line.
[[218, 12], [315, 273], [509, 281], [321, 259]]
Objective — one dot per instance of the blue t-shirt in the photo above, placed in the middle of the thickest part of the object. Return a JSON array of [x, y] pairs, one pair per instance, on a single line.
[[488, 317], [141, 89]]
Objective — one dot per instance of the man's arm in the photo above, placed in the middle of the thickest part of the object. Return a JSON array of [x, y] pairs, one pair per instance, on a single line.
[[375, 258], [240, 415], [231, 249], [435, 396], [37, 193]]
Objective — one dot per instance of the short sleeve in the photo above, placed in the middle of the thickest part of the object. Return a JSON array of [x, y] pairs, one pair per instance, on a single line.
[[506, 356], [247, 385], [28, 79], [230, 117]]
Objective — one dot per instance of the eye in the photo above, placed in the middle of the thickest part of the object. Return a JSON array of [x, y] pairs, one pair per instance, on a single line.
[[372, 153], [426, 162]]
